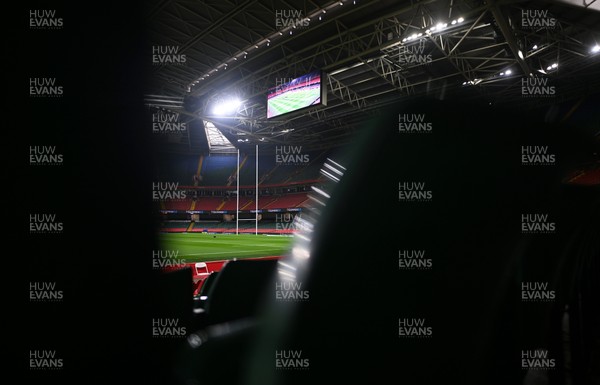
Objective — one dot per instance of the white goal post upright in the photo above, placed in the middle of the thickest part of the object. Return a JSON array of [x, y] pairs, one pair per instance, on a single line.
[[237, 195], [237, 210], [256, 194]]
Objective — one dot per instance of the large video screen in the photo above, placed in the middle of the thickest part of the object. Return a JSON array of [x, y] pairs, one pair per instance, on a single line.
[[299, 93]]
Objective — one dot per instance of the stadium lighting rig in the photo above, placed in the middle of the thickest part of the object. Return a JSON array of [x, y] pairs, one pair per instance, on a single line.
[[267, 40], [545, 69], [227, 106], [437, 28], [504, 74], [549, 68]]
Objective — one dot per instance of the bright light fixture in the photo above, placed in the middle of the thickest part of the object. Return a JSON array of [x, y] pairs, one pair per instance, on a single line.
[[460, 19], [227, 106], [596, 48], [520, 53]]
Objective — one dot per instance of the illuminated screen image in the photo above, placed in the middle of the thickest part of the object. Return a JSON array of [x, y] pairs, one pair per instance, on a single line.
[[301, 92]]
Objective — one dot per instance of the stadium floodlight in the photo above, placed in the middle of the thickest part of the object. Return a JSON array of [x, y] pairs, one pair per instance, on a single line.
[[439, 26], [534, 47], [461, 19], [453, 22], [596, 48], [227, 106], [520, 53], [508, 72]]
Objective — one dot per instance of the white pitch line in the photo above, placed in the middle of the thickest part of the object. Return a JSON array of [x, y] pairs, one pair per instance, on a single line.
[[231, 243], [229, 252]]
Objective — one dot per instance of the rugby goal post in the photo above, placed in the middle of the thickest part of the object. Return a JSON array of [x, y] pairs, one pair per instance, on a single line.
[[237, 210]]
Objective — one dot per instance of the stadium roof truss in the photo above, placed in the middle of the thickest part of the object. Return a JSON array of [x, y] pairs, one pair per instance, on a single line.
[[375, 53]]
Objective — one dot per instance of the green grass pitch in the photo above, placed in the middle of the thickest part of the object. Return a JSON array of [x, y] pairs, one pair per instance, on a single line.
[[200, 247], [294, 101]]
